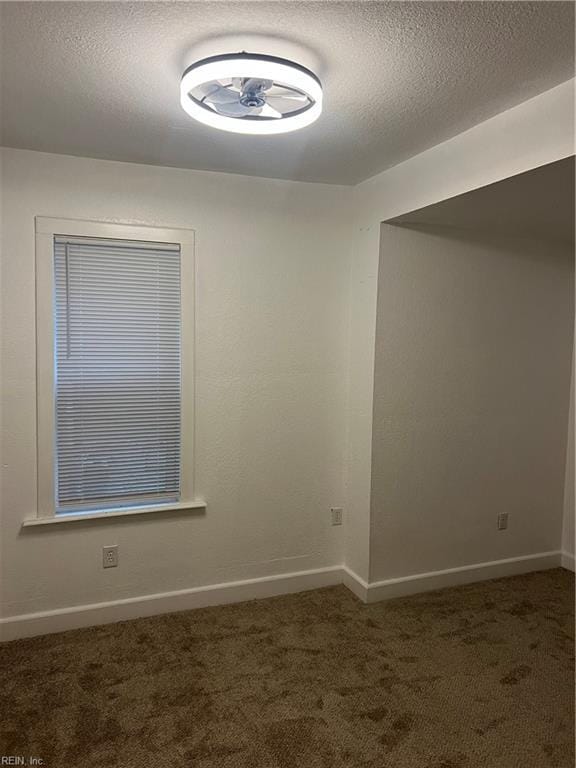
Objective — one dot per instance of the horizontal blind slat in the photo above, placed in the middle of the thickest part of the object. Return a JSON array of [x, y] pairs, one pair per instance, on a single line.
[[118, 371]]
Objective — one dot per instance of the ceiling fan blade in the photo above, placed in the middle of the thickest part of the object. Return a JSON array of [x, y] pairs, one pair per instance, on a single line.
[[220, 95], [205, 89], [278, 90], [232, 109], [282, 104], [268, 111], [256, 84]]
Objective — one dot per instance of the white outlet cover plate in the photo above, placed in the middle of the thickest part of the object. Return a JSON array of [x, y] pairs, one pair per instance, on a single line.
[[110, 556]]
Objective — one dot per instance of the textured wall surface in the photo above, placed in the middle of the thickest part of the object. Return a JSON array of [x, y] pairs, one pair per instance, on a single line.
[[471, 396], [274, 286], [272, 277], [534, 133], [399, 77]]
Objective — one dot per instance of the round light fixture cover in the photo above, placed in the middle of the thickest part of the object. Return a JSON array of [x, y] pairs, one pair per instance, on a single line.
[[251, 93]]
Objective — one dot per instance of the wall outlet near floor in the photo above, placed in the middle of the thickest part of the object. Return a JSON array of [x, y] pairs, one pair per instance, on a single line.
[[503, 521], [110, 556], [336, 513]]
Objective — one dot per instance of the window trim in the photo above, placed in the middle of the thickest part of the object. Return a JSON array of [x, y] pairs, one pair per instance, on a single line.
[[46, 229]]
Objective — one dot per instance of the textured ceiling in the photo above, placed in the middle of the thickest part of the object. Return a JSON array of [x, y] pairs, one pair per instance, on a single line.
[[536, 204], [101, 79]]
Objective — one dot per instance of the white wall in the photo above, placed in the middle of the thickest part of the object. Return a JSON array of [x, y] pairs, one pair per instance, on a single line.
[[537, 132], [272, 283], [471, 396], [286, 324]]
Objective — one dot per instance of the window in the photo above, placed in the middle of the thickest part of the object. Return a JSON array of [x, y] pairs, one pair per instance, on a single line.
[[115, 390]]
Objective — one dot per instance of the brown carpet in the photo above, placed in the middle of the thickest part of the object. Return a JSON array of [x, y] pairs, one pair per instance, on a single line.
[[473, 677]]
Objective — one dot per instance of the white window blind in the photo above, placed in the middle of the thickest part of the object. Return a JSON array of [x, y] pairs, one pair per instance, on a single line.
[[117, 373]]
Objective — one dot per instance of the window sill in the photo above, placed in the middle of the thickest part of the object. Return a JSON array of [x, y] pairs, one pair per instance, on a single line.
[[75, 517]]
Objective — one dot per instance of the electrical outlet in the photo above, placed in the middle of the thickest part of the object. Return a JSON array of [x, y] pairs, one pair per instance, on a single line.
[[336, 513], [110, 556], [503, 521]]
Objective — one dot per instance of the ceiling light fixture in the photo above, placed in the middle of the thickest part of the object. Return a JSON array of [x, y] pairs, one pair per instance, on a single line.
[[251, 93]]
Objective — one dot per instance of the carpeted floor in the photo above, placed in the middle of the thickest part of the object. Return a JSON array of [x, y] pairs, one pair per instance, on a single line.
[[474, 677]]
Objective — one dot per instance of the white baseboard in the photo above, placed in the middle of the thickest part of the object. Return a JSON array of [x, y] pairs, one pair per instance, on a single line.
[[467, 574], [78, 616], [355, 584], [59, 620]]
